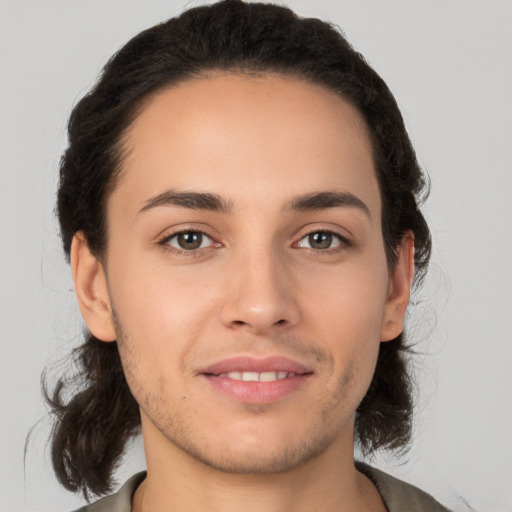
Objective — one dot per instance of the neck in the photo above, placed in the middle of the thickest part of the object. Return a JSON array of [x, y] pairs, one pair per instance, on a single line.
[[329, 482]]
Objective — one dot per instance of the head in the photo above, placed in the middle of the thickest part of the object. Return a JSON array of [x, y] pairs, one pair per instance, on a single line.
[[238, 45]]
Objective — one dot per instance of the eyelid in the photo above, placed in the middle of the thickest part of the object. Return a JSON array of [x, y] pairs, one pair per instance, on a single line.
[[340, 232], [339, 240], [185, 227], [167, 241], [169, 234], [344, 240]]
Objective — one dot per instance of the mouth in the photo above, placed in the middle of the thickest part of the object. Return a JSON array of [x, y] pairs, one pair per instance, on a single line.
[[256, 381], [257, 377]]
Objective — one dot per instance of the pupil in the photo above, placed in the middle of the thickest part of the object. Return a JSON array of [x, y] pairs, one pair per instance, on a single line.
[[190, 240], [320, 240]]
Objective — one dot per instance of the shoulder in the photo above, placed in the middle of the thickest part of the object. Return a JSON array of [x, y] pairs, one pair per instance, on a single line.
[[121, 501], [399, 495]]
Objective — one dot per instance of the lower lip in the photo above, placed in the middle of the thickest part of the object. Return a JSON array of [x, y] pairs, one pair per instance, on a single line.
[[257, 392]]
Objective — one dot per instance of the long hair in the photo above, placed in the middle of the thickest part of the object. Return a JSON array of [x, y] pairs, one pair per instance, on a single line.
[[95, 413]]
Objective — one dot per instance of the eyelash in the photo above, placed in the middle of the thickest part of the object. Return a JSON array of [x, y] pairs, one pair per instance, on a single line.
[[344, 243], [164, 243]]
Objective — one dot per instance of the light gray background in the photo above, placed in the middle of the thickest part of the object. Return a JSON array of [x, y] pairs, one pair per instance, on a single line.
[[449, 63]]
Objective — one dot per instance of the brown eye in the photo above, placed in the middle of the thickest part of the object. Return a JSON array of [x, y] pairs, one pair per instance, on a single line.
[[321, 240], [189, 240]]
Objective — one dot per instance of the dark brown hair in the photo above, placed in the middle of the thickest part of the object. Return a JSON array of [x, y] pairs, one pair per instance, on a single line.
[[95, 413]]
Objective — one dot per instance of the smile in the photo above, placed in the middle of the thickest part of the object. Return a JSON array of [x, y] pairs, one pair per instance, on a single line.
[[255, 376], [256, 381]]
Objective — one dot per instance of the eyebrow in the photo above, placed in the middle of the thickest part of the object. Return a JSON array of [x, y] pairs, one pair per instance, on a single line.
[[213, 202], [192, 200], [323, 200]]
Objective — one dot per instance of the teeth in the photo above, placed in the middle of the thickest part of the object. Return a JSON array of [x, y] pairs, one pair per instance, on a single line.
[[268, 376], [255, 376], [249, 376]]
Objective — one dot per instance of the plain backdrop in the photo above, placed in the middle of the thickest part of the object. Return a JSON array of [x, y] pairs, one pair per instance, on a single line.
[[449, 64]]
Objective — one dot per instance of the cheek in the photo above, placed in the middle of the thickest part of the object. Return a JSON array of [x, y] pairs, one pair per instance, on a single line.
[[160, 316], [345, 309], [158, 325], [157, 296], [349, 299]]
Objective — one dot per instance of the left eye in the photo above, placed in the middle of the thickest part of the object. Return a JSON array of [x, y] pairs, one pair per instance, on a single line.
[[189, 240], [321, 240]]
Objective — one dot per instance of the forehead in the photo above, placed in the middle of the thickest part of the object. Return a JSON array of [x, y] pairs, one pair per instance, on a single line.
[[227, 134]]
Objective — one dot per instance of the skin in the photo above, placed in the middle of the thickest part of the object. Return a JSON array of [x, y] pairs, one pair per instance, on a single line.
[[256, 287]]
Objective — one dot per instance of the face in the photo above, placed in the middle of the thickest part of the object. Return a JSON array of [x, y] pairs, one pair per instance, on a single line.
[[245, 277]]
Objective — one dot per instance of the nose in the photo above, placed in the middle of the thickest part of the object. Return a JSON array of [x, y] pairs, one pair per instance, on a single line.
[[260, 294]]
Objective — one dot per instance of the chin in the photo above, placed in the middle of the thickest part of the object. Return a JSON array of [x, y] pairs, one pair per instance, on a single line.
[[258, 455]]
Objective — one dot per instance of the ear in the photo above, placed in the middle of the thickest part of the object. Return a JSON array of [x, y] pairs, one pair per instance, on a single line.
[[91, 289], [399, 290]]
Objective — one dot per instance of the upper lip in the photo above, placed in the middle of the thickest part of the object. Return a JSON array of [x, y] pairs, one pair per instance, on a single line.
[[253, 364]]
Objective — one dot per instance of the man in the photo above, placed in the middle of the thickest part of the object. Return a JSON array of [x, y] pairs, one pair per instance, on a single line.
[[238, 202]]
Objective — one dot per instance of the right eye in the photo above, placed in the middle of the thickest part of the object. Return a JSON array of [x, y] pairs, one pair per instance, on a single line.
[[188, 241]]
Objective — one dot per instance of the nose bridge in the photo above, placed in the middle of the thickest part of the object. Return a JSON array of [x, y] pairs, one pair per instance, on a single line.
[[260, 293]]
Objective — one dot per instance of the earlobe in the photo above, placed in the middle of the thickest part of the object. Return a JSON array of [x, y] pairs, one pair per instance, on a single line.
[[399, 290], [91, 289]]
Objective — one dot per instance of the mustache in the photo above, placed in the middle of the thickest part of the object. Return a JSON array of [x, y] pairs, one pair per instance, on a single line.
[[288, 346], [291, 346]]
